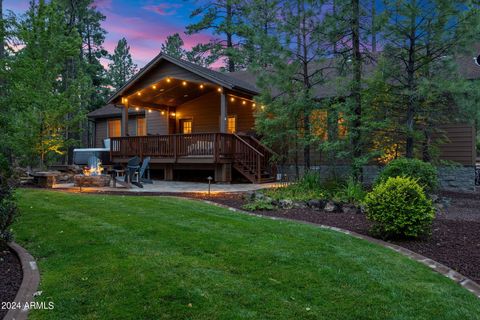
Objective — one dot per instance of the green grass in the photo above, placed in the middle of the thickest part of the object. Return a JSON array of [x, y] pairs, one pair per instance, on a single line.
[[119, 257]]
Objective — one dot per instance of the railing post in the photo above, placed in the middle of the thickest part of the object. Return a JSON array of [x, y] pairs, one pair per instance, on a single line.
[[259, 168], [175, 147], [215, 147]]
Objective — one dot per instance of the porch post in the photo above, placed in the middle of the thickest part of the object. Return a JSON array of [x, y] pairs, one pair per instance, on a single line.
[[223, 112], [124, 129]]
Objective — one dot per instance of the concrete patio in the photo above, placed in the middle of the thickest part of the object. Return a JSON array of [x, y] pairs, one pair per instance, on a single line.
[[159, 186]]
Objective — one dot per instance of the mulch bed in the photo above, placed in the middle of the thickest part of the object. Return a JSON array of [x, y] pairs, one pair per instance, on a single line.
[[10, 278], [455, 241]]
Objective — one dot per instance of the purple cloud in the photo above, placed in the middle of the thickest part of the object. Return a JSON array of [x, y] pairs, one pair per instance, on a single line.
[[164, 9]]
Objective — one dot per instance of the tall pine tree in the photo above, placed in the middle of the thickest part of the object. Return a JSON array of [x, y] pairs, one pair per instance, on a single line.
[[121, 68]]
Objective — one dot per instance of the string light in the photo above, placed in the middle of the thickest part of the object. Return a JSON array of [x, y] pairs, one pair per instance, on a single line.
[[137, 108], [154, 87], [263, 107], [149, 110], [173, 114], [139, 93], [232, 99], [201, 86], [184, 83], [254, 105], [219, 89], [244, 102], [168, 80], [163, 112]]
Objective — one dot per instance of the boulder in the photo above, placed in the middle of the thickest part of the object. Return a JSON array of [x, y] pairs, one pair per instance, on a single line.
[[331, 206], [285, 203], [316, 204], [350, 209]]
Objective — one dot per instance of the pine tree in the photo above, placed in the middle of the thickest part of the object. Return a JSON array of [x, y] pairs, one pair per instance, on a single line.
[[173, 46], [298, 64], [421, 39], [46, 102], [122, 68], [224, 18]]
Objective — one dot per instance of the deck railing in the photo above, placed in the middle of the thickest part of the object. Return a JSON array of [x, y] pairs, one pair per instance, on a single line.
[[217, 145], [247, 154]]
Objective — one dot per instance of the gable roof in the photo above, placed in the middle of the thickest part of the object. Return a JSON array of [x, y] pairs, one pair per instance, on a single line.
[[110, 111], [222, 79]]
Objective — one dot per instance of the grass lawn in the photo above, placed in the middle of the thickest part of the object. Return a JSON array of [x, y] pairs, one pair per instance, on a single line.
[[130, 257]]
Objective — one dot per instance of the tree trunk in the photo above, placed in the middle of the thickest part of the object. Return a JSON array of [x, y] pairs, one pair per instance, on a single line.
[[411, 105], [231, 63], [2, 32], [356, 86], [373, 29]]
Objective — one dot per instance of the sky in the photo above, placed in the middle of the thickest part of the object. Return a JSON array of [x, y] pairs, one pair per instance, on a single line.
[[144, 23]]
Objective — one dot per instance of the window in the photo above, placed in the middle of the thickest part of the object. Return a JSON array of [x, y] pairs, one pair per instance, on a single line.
[[186, 125], [114, 128], [232, 124], [141, 127], [342, 125], [319, 124]]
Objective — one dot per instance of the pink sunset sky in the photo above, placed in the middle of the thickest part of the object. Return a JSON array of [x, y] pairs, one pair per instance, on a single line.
[[144, 23]]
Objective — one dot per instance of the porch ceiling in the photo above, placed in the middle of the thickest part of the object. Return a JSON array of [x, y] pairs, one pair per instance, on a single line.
[[169, 92]]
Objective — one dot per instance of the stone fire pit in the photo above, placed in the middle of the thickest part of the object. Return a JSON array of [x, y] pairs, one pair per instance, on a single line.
[[101, 180]]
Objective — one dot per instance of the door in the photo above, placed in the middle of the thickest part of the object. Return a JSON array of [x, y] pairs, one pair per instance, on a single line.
[[185, 126]]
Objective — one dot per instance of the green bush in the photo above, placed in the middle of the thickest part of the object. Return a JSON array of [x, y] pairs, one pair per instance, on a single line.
[[8, 206], [350, 192], [260, 204], [399, 207], [424, 172]]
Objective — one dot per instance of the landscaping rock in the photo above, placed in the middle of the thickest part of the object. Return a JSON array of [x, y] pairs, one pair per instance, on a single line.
[[350, 209], [331, 206], [316, 204], [300, 205], [285, 204]]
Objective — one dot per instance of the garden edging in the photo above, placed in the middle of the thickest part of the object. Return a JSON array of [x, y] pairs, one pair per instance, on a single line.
[[462, 280], [29, 285]]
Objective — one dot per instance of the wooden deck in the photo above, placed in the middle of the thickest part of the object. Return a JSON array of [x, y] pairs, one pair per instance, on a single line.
[[245, 154]]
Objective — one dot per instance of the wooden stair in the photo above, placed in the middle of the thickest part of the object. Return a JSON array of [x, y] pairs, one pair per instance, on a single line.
[[253, 160]]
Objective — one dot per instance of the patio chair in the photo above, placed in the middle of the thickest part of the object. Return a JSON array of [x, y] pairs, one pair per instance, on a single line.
[[133, 165], [144, 169]]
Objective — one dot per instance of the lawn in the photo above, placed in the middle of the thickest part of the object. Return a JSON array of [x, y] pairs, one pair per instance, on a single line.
[[130, 257]]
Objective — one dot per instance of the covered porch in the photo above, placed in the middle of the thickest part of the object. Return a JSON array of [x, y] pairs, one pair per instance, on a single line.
[[192, 119]]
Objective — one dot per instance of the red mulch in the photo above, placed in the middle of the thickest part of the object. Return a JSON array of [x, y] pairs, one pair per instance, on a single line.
[[10, 278]]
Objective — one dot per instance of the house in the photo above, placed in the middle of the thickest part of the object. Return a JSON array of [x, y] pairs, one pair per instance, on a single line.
[[187, 117]]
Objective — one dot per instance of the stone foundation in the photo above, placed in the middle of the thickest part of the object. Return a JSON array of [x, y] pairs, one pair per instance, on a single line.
[[81, 180], [452, 178]]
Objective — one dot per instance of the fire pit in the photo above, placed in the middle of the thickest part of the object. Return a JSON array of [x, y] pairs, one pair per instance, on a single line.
[[92, 175]]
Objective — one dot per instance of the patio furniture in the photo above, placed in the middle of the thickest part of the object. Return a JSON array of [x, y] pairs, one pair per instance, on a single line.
[[133, 165], [140, 175]]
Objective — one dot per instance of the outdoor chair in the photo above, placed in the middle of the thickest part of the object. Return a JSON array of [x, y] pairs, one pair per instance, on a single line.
[[144, 169], [132, 166]]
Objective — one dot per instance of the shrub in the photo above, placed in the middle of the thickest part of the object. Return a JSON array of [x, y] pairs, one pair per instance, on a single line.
[[260, 204], [398, 207], [310, 180], [8, 207], [350, 192], [425, 173]]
